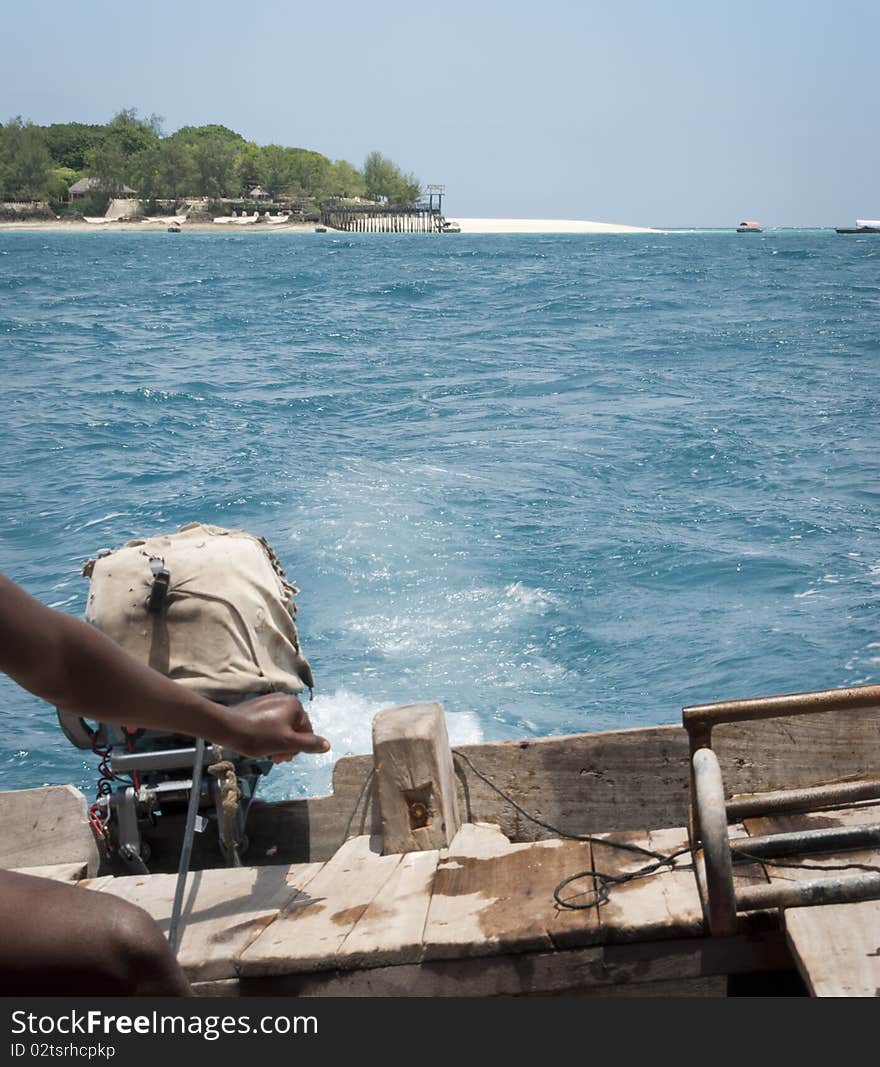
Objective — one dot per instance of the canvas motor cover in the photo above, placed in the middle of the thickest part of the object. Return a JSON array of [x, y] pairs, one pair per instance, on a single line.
[[227, 628]]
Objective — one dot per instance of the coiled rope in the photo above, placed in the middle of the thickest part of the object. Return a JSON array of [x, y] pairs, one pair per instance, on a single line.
[[604, 881]]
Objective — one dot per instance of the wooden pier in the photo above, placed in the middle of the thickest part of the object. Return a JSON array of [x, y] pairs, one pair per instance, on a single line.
[[383, 218]]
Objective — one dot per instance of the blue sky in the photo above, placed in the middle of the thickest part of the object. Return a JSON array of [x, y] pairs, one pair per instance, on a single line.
[[676, 113]]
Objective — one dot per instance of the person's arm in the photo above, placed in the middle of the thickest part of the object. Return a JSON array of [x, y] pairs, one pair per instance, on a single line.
[[75, 667]]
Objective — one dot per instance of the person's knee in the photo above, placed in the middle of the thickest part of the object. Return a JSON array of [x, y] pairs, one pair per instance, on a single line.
[[142, 959]]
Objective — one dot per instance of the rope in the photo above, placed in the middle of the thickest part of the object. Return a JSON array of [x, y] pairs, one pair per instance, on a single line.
[[605, 881], [224, 771], [745, 857]]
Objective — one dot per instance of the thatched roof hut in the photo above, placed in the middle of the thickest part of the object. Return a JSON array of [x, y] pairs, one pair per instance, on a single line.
[[87, 186]]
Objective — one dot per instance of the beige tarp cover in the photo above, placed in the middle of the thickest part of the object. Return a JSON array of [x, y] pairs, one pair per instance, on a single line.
[[227, 629]]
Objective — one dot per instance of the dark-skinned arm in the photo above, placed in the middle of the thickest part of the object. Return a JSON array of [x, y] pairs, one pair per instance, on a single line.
[[75, 667]]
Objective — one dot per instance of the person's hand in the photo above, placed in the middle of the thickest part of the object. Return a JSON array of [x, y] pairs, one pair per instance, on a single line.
[[274, 725]]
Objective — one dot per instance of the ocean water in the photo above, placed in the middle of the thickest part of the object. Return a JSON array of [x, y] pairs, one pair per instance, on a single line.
[[561, 483]]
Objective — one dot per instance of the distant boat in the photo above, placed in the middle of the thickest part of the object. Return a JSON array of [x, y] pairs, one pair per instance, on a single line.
[[749, 227], [861, 226]]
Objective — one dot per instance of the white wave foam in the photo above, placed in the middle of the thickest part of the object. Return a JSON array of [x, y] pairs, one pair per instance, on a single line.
[[346, 720], [530, 599]]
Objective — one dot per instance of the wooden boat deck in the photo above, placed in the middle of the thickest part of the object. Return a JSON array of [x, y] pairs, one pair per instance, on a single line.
[[480, 917], [476, 918]]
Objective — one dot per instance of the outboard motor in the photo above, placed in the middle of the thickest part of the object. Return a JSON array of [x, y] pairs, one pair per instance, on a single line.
[[212, 609]]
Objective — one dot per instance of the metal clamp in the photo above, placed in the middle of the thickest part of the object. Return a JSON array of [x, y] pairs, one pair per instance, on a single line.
[[159, 589]]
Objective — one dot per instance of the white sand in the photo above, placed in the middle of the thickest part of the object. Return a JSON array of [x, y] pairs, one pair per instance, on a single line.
[[545, 226], [143, 226]]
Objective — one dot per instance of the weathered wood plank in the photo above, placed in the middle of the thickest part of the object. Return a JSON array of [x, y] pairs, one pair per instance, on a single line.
[[415, 779], [392, 927], [836, 946], [491, 896], [46, 826], [664, 904], [620, 779], [223, 910], [308, 934], [541, 973]]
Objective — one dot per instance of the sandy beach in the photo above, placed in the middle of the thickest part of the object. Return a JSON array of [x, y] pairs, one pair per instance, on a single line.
[[546, 226], [471, 226], [65, 226]]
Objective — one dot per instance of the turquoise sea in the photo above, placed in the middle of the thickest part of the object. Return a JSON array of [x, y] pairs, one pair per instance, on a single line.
[[559, 483]]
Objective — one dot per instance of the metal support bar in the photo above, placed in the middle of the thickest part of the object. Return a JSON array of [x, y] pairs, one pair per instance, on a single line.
[[834, 795], [823, 839], [186, 848], [832, 890], [166, 760], [711, 824], [852, 698]]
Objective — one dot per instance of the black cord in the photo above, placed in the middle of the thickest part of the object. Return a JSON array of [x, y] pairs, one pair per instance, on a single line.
[[745, 857], [549, 826], [605, 882], [601, 893]]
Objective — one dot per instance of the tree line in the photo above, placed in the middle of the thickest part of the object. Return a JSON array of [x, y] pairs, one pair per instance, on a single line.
[[42, 162]]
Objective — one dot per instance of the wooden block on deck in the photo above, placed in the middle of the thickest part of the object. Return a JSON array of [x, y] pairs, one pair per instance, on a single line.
[[418, 797], [223, 910], [308, 934], [46, 826]]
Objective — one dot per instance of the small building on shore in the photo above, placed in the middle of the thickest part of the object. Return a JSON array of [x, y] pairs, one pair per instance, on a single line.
[[89, 186]]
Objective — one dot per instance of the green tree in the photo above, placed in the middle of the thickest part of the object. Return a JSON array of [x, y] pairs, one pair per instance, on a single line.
[[383, 178], [310, 172], [109, 165], [214, 160], [276, 169], [59, 182], [132, 135], [248, 161], [145, 173], [210, 160], [68, 143], [178, 171], [193, 134], [346, 180], [167, 171], [24, 161]]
